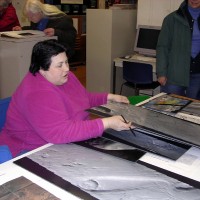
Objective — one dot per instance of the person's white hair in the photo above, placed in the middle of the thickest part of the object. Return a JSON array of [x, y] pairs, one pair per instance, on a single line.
[[36, 6]]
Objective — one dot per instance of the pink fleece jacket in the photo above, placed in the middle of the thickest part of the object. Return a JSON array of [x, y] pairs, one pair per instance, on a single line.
[[41, 113]]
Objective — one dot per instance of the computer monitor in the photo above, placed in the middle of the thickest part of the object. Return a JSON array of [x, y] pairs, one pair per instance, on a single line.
[[146, 40]]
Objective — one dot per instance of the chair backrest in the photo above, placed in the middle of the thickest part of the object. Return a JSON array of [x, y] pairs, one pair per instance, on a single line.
[[4, 103], [138, 73]]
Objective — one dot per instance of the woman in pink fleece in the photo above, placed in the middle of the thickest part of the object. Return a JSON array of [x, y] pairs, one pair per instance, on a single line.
[[49, 105]]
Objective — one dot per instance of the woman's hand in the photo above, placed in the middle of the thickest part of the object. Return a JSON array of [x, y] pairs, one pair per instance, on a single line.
[[49, 32], [117, 98], [116, 122], [17, 28]]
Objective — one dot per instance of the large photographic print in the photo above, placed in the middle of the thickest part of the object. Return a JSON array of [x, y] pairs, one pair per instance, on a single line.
[[106, 177]]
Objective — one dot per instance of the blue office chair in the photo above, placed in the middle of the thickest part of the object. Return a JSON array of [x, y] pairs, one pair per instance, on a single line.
[[4, 103], [5, 153], [138, 76]]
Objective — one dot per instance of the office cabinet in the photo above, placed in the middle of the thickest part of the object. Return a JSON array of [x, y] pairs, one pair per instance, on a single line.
[[152, 12], [110, 34], [15, 60]]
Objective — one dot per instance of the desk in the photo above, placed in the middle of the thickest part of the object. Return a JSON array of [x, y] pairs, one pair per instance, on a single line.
[[10, 171], [111, 175], [15, 59], [181, 166], [135, 58], [102, 173]]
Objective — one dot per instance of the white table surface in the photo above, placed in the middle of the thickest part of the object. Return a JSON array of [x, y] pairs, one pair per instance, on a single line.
[[142, 59], [10, 171], [187, 165]]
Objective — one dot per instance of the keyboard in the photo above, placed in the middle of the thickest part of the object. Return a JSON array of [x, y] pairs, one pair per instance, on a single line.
[[143, 58]]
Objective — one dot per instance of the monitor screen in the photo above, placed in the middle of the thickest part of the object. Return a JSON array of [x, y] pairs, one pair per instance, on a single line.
[[146, 40]]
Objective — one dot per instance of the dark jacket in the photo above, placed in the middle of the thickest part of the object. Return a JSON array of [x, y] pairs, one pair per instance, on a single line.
[[64, 29], [174, 47]]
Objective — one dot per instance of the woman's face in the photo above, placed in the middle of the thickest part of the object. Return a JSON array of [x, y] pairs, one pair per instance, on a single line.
[[34, 17], [194, 3], [58, 70]]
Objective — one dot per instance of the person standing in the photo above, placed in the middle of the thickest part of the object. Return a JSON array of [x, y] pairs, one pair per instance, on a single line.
[[178, 51], [8, 16], [52, 21]]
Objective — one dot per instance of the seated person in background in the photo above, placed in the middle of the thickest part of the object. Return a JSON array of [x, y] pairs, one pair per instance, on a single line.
[[49, 105], [8, 16], [52, 21]]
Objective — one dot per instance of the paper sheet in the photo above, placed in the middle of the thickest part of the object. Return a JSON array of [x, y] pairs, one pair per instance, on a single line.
[[187, 165]]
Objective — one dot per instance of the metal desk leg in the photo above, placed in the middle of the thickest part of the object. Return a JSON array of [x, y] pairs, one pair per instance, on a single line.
[[114, 78]]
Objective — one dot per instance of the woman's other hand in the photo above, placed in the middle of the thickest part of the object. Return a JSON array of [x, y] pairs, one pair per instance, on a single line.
[[49, 32], [116, 122], [117, 98], [17, 28]]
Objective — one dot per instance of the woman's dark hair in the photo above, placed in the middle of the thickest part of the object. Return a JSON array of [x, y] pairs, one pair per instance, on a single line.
[[43, 52]]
